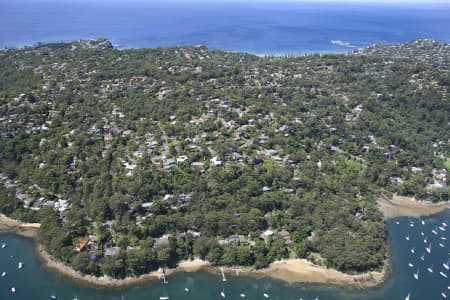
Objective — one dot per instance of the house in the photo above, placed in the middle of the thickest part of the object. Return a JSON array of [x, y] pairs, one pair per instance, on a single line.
[[162, 241], [266, 235], [112, 251], [286, 236], [81, 245]]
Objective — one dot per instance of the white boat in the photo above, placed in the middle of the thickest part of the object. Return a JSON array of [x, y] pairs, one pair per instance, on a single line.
[[407, 297], [441, 245], [397, 222], [223, 275], [446, 265], [222, 293], [3, 245], [20, 266], [76, 297], [434, 231], [3, 274], [52, 296], [443, 274], [413, 250], [186, 289], [416, 275], [422, 234], [423, 222], [441, 228], [164, 298], [422, 258], [266, 295], [425, 240], [443, 295], [443, 238], [448, 287], [407, 237], [444, 224], [411, 224], [428, 248], [242, 295], [430, 269], [13, 290], [410, 265]]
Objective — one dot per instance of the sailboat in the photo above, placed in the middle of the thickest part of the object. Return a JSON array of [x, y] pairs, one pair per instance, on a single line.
[[416, 275], [446, 265], [434, 231], [222, 293], [425, 240], [422, 257], [428, 248], [165, 282], [413, 250], [223, 275], [407, 237], [407, 297], [430, 269]]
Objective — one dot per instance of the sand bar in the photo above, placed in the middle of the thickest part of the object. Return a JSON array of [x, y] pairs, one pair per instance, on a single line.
[[400, 206]]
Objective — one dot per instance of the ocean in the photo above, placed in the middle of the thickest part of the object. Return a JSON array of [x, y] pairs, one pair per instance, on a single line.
[[256, 27], [33, 281]]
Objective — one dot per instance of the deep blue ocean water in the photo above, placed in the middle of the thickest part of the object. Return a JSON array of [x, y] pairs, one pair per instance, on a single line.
[[268, 27]]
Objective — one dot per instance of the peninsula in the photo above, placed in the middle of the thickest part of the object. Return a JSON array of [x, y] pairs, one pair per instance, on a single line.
[[135, 159]]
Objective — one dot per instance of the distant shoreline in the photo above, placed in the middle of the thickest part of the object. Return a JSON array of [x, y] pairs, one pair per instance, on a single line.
[[290, 270]]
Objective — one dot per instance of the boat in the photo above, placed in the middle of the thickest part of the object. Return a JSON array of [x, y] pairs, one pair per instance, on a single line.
[[444, 224], [422, 258], [434, 231], [222, 293], [443, 295], [13, 290], [413, 250], [441, 228], [410, 265], [3, 274], [52, 296], [242, 295], [411, 224], [407, 237], [266, 295], [430, 269], [441, 245], [3, 245], [423, 222], [416, 275], [425, 240], [76, 297], [443, 274], [443, 238], [20, 266], [422, 234], [186, 289], [223, 275], [164, 298], [407, 297], [397, 222], [428, 248], [446, 265]]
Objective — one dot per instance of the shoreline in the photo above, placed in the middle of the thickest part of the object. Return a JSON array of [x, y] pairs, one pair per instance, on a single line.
[[290, 270], [402, 206]]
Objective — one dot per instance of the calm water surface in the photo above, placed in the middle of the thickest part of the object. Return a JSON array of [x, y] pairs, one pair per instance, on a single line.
[[252, 27], [35, 282]]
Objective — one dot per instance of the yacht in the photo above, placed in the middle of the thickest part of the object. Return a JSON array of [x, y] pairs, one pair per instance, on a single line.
[[434, 231], [20, 266], [416, 275], [164, 298], [3, 274], [222, 293], [407, 237], [413, 250], [422, 234], [186, 289], [3, 245], [407, 297], [423, 222], [430, 269], [13, 290], [52, 296], [441, 245], [410, 265], [266, 295], [443, 295], [242, 295], [422, 258], [441, 228], [443, 238], [446, 265], [444, 224], [428, 248], [443, 274]]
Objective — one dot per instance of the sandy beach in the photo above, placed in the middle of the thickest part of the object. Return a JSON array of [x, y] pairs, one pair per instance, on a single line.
[[292, 270], [21, 228], [400, 206]]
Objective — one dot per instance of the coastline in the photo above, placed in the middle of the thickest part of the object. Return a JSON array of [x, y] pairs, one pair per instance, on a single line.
[[290, 270], [401, 206]]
